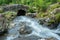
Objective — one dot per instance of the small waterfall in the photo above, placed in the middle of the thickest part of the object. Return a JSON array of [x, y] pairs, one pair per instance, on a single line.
[[37, 29]]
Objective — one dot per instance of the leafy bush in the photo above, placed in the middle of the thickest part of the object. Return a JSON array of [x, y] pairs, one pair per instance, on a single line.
[[57, 16], [3, 2]]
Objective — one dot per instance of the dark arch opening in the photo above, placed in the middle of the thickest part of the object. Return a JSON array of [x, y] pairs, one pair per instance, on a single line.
[[21, 12]]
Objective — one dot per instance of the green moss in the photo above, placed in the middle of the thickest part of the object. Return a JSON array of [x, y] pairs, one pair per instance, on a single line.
[[41, 15], [52, 7], [54, 18], [57, 16], [57, 19], [32, 9], [9, 15], [1, 10], [51, 21]]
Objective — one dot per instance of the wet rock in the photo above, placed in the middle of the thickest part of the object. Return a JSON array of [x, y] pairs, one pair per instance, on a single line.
[[34, 38], [50, 23], [29, 38], [41, 21], [9, 16], [51, 38], [48, 38], [25, 30], [3, 27], [33, 15], [21, 24]]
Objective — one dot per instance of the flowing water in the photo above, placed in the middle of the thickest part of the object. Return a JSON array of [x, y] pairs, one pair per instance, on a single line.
[[37, 29]]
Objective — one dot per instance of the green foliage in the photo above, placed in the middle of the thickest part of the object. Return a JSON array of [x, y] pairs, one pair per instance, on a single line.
[[41, 5], [58, 0], [51, 22], [9, 15], [2, 2], [52, 7], [57, 16], [54, 1], [41, 15], [32, 10]]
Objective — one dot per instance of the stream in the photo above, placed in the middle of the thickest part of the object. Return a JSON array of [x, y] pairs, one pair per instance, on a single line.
[[35, 30]]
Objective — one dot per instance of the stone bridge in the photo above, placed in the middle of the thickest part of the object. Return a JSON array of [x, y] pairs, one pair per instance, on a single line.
[[14, 7]]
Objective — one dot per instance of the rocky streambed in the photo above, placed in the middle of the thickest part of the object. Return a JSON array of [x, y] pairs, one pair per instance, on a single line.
[[26, 28]]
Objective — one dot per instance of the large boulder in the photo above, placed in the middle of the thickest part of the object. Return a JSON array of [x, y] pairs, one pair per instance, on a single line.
[[25, 29], [3, 27], [52, 17], [57, 10], [50, 23]]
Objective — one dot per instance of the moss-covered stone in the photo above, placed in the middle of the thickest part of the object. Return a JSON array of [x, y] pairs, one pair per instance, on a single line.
[[9, 15], [51, 22], [3, 26], [53, 13], [53, 6], [1, 10], [57, 17]]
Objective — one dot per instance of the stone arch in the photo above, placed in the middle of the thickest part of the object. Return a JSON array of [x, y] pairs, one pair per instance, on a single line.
[[21, 12]]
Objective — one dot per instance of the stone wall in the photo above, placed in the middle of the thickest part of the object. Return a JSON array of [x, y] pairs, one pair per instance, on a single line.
[[14, 7]]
